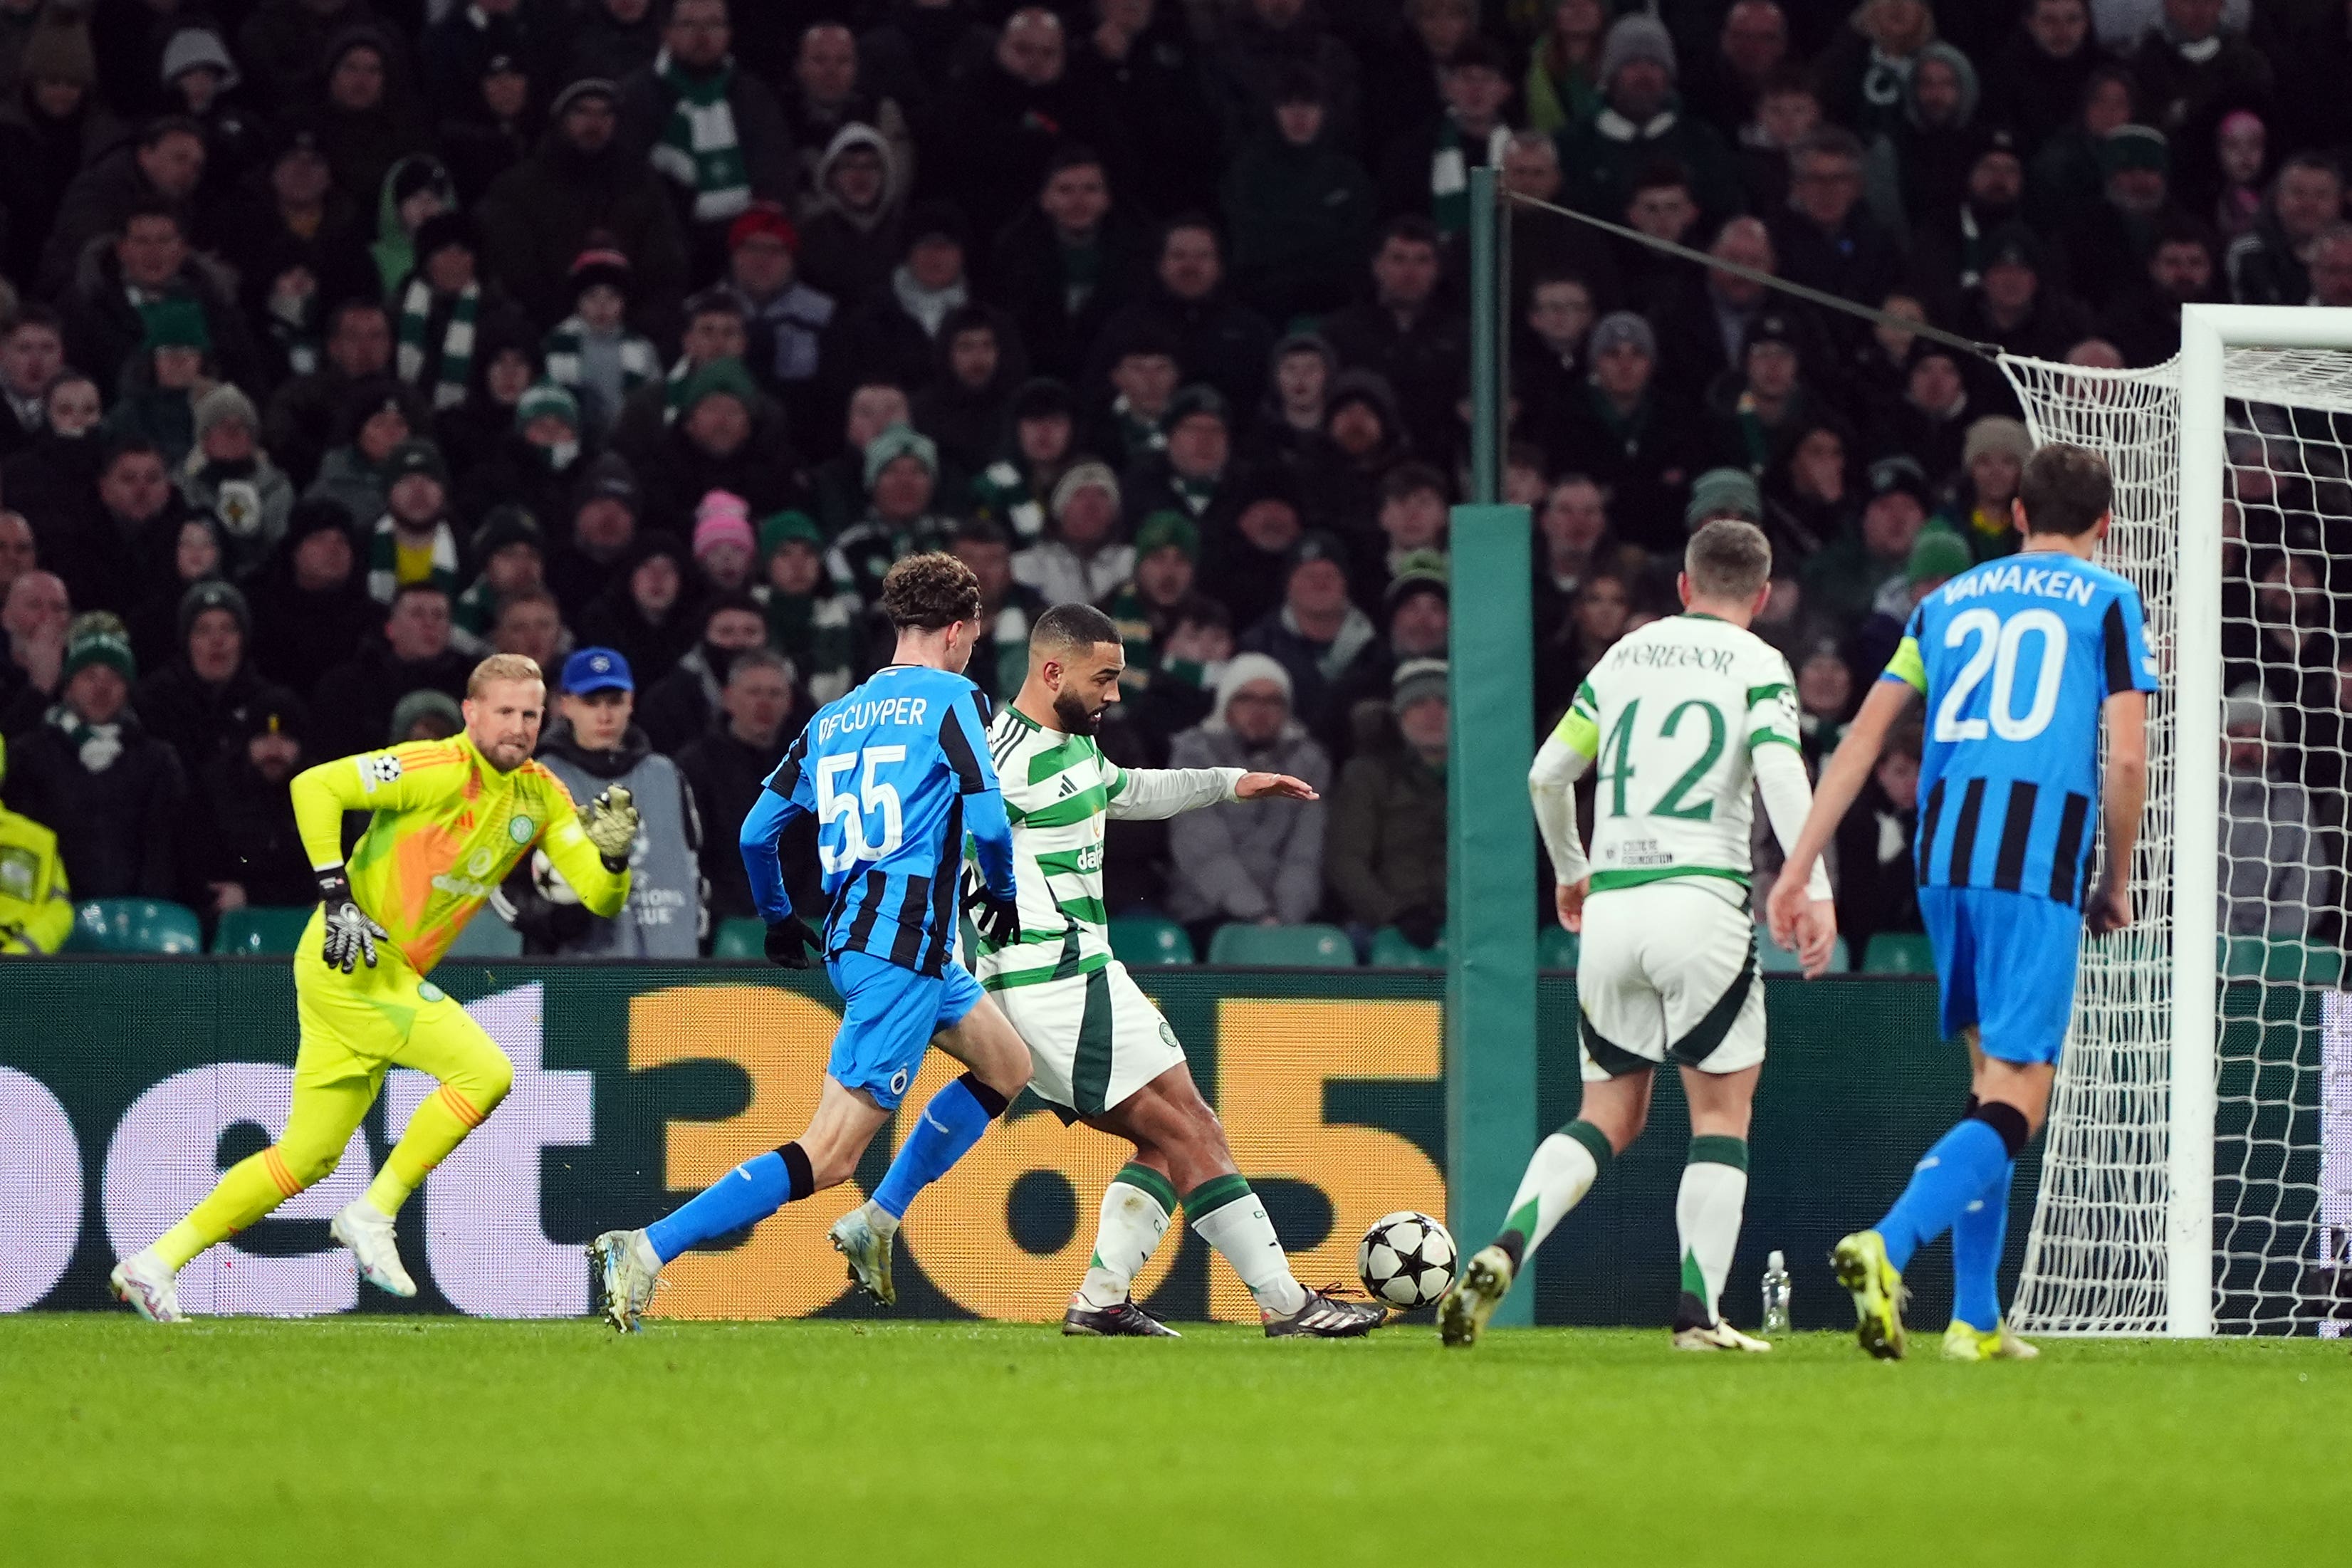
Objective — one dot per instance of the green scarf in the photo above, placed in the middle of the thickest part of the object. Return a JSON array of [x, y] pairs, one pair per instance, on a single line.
[[699, 147], [1196, 494], [562, 348], [95, 745], [383, 561], [449, 385], [1628, 428], [1449, 174]]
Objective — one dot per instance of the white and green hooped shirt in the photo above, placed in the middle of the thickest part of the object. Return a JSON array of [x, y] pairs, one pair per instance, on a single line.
[[1059, 791]]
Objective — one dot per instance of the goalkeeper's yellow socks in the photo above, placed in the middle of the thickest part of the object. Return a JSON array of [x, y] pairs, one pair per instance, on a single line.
[[1563, 1169], [439, 1125], [248, 1190]]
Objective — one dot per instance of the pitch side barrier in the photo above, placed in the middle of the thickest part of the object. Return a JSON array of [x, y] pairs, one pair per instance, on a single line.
[[127, 1085]]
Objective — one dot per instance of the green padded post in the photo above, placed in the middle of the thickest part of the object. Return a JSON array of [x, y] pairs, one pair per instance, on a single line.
[[1490, 896], [1490, 841]]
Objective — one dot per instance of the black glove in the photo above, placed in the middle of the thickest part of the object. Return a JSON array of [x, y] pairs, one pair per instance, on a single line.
[[790, 942], [352, 936], [1423, 924], [997, 919]]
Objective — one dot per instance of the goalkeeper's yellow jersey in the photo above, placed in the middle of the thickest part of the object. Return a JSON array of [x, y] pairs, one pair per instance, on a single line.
[[448, 828]]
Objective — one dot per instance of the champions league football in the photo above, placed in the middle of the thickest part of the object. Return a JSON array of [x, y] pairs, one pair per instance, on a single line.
[[1407, 1260]]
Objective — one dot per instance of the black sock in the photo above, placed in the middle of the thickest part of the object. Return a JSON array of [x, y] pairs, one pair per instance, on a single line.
[[1515, 1245], [801, 1178], [990, 1101]]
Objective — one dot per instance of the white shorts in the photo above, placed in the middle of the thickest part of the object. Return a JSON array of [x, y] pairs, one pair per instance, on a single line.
[[1668, 970], [1092, 1039]]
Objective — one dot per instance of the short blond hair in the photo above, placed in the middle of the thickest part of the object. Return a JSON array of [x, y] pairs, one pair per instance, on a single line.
[[502, 667], [1728, 558]]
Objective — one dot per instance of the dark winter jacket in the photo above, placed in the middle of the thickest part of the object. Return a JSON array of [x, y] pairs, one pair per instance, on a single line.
[[114, 824], [239, 827], [1385, 853], [353, 701], [537, 216], [726, 776]]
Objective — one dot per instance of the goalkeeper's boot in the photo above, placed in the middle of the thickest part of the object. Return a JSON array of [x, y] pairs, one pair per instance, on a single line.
[[152, 1291], [1124, 1320], [626, 1272], [1862, 1267], [1461, 1315], [867, 1250], [1718, 1336], [1324, 1315], [367, 1231], [1964, 1342]]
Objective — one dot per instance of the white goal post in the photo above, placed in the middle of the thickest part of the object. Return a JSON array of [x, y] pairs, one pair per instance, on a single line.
[[2188, 1171]]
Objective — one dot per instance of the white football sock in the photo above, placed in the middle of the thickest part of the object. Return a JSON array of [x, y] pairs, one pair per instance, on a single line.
[[1707, 1211], [1562, 1171], [1133, 1221], [1235, 1223]]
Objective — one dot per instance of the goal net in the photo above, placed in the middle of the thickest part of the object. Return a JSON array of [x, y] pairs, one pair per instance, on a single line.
[[2197, 1175]]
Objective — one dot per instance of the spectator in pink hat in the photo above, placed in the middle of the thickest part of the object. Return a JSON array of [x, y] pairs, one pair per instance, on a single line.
[[724, 546]]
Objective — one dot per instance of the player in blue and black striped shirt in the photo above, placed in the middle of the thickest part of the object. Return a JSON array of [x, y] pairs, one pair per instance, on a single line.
[[2021, 661], [897, 774]]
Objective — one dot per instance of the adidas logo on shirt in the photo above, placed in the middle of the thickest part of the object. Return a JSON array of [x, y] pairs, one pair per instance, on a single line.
[[1067, 789]]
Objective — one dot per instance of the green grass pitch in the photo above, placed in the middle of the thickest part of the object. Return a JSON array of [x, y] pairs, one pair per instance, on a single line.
[[451, 1442]]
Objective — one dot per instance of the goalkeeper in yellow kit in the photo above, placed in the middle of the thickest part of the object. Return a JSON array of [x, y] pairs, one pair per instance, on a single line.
[[450, 819]]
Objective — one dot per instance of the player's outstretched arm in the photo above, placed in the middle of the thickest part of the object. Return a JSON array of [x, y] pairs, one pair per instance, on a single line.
[[2124, 796], [1841, 781], [1151, 795]]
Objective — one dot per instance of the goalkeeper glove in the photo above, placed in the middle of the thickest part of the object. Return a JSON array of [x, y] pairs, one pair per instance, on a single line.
[[789, 941], [995, 917], [611, 823], [352, 935]]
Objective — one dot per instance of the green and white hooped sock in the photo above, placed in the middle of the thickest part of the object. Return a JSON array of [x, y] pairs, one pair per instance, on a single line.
[[1136, 1209], [1231, 1219], [1563, 1169], [1708, 1212]]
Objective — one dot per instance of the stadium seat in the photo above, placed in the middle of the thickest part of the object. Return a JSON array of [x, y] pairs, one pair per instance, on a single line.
[[2280, 959], [1557, 948], [260, 931], [1391, 949], [1771, 958], [1898, 953], [487, 936], [1145, 941], [744, 937], [1295, 947], [135, 925]]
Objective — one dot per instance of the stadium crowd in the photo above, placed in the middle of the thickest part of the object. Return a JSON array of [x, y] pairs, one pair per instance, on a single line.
[[347, 340]]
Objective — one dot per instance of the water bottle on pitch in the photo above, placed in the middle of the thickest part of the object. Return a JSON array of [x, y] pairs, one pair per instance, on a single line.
[[1776, 1294]]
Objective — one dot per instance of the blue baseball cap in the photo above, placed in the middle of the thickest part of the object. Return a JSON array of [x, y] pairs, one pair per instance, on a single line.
[[596, 670]]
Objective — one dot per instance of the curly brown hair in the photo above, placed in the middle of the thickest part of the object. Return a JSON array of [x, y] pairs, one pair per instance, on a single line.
[[927, 592]]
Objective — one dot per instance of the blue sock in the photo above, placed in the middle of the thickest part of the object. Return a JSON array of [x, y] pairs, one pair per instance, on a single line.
[[1977, 1238], [944, 1132], [1960, 1167], [750, 1192]]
